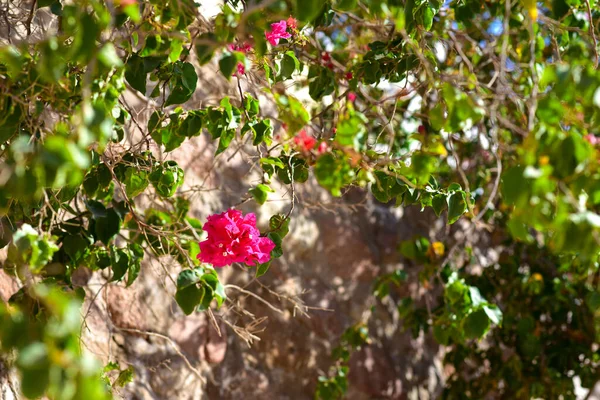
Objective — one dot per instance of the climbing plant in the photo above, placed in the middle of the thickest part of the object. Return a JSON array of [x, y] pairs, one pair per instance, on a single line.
[[483, 111]]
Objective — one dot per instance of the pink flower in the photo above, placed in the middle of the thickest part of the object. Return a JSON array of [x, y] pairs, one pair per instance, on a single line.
[[592, 139], [304, 141], [322, 149], [292, 23], [278, 31], [351, 97], [233, 237], [241, 70], [243, 48]]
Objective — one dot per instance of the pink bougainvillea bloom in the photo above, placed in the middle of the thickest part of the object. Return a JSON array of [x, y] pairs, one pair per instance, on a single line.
[[322, 149], [241, 70], [233, 237], [292, 23], [278, 31], [592, 139], [351, 97], [304, 141], [243, 48]]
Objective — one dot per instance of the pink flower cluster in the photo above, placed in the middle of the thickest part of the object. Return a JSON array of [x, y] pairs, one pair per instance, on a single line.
[[278, 31], [243, 48], [233, 237]]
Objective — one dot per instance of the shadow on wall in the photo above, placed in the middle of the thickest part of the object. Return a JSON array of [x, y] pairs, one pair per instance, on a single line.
[[330, 261]]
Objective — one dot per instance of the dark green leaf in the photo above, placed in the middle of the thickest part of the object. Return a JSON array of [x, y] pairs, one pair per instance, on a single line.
[[456, 206], [262, 269]]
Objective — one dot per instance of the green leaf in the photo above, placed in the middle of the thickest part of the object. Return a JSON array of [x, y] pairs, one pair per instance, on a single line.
[[428, 14], [494, 314], [280, 224], [262, 132], [346, 5], [322, 82], [183, 83], [456, 206], [333, 173], [228, 63], [298, 171], [441, 334], [251, 105], [125, 377], [34, 383], [476, 324], [220, 294], [351, 131], [135, 73], [307, 10], [225, 140], [593, 301], [439, 204], [476, 298], [108, 56], [120, 264], [262, 269], [189, 298], [167, 178], [75, 246], [106, 227], [189, 277], [206, 47], [135, 182], [289, 64], [133, 272], [277, 251], [260, 193], [34, 357]]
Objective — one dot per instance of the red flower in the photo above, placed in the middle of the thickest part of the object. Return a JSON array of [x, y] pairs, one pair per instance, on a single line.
[[278, 31], [304, 141], [233, 237], [292, 23], [349, 76], [325, 57], [422, 129], [351, 97]]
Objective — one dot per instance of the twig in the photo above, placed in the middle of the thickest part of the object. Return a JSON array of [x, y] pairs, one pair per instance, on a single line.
[[173, 345], [239, 289], [592, 34], [30, 17], [534, 77]]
